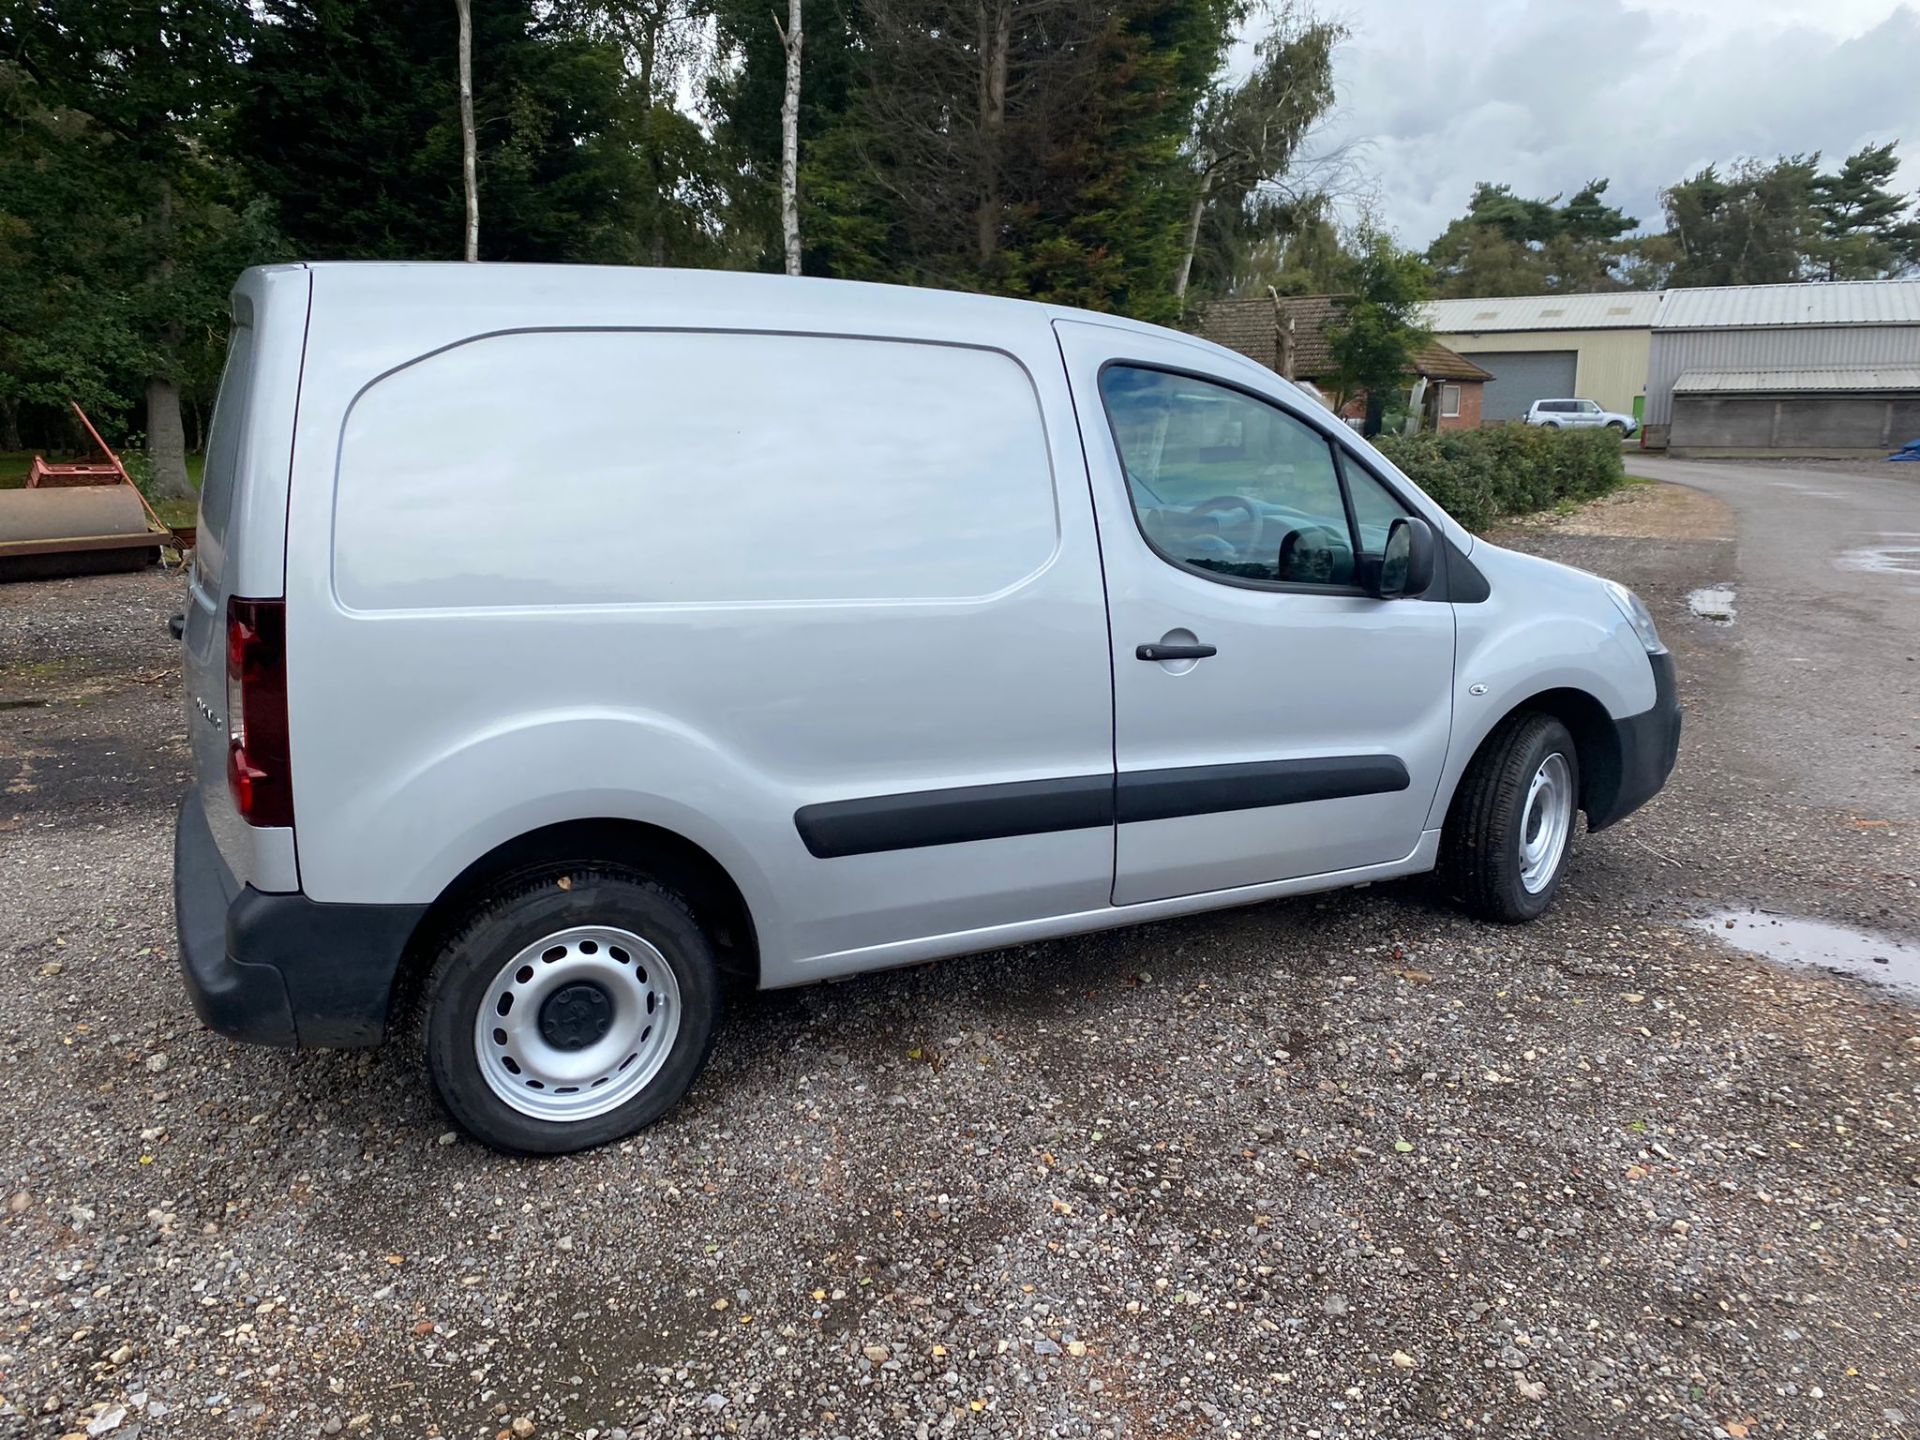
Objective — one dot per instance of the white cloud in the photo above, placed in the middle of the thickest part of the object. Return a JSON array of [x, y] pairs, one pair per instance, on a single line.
[[1544, 95]]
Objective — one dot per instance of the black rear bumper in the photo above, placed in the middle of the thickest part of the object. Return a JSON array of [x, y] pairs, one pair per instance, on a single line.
[[280, 969], [1649, 744]]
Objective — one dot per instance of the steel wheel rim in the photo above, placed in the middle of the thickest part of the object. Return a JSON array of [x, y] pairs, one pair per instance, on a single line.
[[1545, 822], [534, 1031]]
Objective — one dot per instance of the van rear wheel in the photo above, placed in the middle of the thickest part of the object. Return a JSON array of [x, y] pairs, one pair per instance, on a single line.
[[1510, 830], [570, 1010]]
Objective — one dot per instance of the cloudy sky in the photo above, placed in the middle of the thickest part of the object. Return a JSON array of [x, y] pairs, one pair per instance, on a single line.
[[1544, 94]]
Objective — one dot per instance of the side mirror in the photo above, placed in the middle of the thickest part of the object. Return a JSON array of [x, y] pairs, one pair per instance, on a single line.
[[1406, 565]]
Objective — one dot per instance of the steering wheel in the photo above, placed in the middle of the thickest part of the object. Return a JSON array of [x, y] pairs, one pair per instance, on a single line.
[[1313, 555], [1244, 537]]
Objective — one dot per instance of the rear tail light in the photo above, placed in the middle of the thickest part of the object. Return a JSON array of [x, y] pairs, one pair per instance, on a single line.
[[258, 769]]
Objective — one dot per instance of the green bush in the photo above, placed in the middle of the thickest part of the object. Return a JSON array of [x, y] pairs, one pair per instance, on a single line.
[[1479, 476]]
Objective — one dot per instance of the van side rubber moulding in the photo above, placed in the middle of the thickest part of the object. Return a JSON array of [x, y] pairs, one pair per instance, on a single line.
[[874, 823], [281, 969]]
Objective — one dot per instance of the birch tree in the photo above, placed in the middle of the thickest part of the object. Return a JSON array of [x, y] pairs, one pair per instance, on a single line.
[[791, 36], [1247, 137], [469, 146]]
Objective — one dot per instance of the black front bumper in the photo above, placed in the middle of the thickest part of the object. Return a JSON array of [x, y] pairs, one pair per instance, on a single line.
[[1649, 744], [280, 969]]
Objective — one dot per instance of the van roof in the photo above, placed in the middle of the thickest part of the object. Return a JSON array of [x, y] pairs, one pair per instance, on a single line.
[[747, 294]]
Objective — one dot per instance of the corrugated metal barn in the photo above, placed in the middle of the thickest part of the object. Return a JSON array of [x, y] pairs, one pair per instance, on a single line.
[[1549, 347], [1827, 368]]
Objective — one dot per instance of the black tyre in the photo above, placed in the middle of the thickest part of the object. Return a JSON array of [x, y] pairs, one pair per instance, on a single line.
[[1510, 830], [570, 1010], [1616, 427]]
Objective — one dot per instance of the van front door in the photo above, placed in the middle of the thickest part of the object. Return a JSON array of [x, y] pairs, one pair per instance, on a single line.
[[1272, 720]]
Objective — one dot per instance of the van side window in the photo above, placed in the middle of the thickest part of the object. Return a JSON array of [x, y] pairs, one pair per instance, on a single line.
[[1227, 485], [1374, 506], [659, 467]]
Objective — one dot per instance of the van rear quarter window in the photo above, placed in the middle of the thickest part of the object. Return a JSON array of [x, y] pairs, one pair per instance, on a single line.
[[223, 440], [632, 467]]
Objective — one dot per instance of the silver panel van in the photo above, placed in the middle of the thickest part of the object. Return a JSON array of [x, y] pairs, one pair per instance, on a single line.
[[562, 638]]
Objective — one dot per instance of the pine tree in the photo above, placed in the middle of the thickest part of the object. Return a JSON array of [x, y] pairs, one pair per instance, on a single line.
[[1026, 147], [1862, 231], [1752, 226], [1509, 245]]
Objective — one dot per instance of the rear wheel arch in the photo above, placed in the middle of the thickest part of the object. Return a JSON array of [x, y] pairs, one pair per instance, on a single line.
[[719, 907]]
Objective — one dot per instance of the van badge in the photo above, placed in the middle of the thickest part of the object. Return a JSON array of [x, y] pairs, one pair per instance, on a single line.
[[1476, 689], [206, 712]]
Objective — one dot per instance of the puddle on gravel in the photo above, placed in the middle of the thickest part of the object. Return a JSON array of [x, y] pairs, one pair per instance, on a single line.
[[1888, 559], [1713, 602], [1817, 944]]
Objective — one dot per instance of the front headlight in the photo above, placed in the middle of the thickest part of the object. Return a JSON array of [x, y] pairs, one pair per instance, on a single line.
[[1638, 616]]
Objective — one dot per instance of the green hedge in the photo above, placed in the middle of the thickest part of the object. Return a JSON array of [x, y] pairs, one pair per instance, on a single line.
[[1478, 476]]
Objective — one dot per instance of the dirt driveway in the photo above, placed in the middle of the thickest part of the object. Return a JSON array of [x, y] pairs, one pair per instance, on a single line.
[[1339, 1167]]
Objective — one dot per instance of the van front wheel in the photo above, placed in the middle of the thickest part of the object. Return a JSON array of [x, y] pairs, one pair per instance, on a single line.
[[1511, 826], [570, 1010]]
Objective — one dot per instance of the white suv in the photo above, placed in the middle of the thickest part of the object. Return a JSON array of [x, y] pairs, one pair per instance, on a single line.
[[596, 631], [1578, 414]]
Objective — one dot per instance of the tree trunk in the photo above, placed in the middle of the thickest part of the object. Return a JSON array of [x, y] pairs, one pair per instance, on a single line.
[[995, 41], [166, 442], [10, 425], [1283, 337], [166, 439], [1192, 242], [790, 39], [656, 203], [469, 143], [1376, 415]]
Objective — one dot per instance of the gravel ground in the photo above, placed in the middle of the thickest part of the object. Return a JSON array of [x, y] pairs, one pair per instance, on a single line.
[[1340, 1167]]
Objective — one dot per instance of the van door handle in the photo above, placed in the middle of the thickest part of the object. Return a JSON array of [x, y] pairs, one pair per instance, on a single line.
[[177, 626], [1164, 651]]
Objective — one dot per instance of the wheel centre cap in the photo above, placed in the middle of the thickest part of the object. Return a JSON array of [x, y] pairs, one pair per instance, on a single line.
[[576, 1016]]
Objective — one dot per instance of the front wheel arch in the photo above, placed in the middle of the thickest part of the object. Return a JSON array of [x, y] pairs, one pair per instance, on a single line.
[[1596, 740]]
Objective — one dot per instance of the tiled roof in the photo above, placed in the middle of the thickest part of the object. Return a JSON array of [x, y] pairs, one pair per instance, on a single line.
[[1437, 362], [1251, 327]]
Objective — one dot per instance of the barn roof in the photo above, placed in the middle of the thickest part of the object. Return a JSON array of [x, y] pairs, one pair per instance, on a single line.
[[1614, 310]]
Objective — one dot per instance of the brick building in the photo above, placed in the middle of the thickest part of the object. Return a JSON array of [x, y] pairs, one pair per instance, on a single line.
[[1258, 329]]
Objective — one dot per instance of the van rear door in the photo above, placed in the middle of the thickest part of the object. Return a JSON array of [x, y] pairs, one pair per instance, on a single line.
[[241, 546]]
